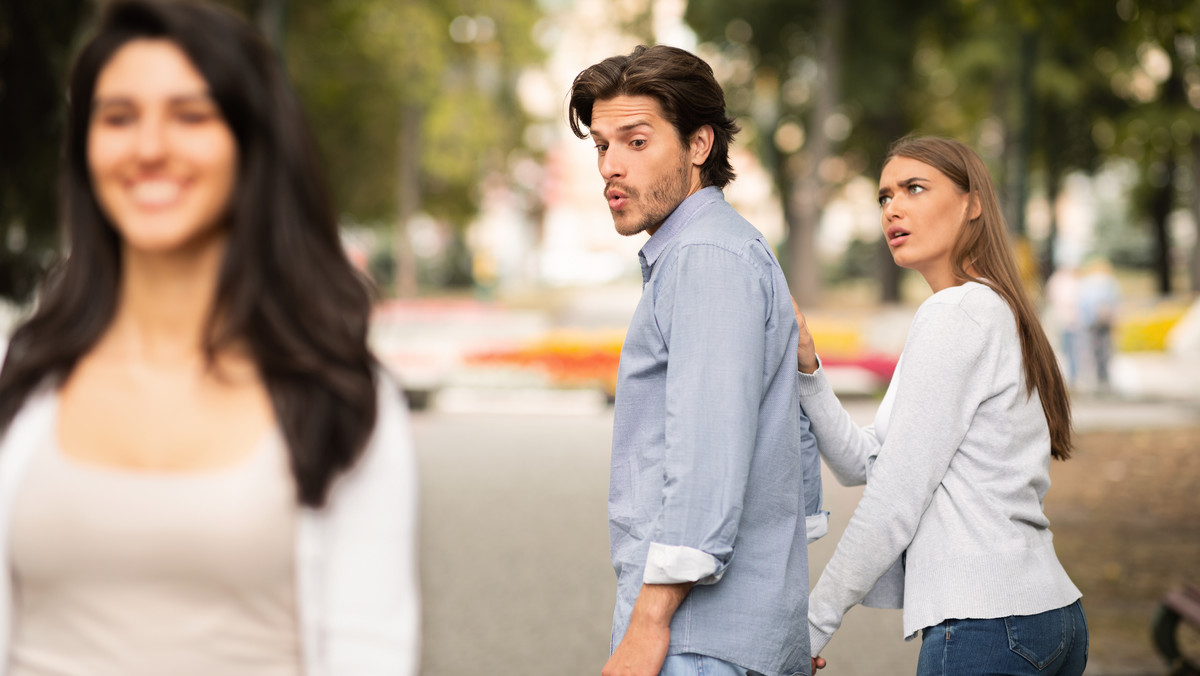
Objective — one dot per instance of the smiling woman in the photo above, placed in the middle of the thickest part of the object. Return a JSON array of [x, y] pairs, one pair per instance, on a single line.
[[189, 426], [163, 161]]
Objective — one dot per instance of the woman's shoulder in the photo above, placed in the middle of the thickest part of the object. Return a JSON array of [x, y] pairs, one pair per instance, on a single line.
[[971, 312], [975, 301]]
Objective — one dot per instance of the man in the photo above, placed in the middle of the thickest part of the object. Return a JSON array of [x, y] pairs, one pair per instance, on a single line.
[[713, 467]]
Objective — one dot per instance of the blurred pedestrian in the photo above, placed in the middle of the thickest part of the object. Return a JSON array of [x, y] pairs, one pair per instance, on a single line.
[[203, 469], [1098, 299], [957, 462], [1062, 296], [715, 481]]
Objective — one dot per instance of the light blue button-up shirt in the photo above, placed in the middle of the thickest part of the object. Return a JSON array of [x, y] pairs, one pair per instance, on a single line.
[[712, 454]]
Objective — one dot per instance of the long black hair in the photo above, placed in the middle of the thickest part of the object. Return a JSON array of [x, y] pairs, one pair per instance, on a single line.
[[285, 287]]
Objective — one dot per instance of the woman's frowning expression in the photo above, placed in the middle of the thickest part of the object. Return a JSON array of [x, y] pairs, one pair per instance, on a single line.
[[922, 213]]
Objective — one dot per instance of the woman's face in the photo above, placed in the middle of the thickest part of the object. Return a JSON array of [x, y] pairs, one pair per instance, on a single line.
[[922, 212], [162, 160]]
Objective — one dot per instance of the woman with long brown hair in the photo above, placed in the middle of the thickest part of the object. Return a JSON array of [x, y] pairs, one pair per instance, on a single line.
[[203, 469], [957, 461]]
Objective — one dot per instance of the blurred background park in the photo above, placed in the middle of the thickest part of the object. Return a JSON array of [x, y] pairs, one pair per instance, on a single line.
[[503, 290]]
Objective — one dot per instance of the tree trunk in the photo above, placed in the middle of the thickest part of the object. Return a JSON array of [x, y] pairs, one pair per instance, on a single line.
[[272, 15], [408, 197], [1194, 268], [809, 192], [1053, 185], [1160, 212], [1018, 166]]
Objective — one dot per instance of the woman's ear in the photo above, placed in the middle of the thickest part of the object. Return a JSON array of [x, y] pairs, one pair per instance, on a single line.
[[975, 208]]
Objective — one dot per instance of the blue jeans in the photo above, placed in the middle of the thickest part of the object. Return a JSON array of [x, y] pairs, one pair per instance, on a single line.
[[691, 664], [1051, 643]]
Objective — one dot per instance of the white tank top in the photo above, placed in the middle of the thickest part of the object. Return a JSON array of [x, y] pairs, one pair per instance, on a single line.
[[127, 572]]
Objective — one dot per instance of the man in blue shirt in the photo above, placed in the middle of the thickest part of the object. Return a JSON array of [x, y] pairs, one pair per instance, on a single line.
[[715, 485]]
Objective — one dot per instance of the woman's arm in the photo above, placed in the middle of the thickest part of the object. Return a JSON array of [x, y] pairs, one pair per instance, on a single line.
[[369, 607], [846, 447], [941, 382]]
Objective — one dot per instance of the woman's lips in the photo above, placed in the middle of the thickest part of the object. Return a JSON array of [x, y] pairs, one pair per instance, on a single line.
[[155, 193], [896, 236]]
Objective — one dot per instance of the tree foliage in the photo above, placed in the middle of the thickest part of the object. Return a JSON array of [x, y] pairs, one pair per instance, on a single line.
[[35, 45], [1041, 89], [412, 103]]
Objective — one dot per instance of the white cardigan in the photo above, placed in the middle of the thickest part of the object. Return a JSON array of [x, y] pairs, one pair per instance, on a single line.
[[356, 564]]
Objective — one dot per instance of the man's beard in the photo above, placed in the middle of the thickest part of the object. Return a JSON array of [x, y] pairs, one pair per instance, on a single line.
[[660, 200]]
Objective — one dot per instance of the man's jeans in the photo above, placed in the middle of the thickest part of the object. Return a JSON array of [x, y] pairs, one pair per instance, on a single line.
[[691, 664], [1053, 643]]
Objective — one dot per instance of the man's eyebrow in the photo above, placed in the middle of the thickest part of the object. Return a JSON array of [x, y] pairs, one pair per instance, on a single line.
[[633, 125]]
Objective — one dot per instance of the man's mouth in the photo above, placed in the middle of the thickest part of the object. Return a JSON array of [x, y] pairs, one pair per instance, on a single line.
[[616, 198]]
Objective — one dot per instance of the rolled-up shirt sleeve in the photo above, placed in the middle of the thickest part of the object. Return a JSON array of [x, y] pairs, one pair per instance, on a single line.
[[673, 564], [712, 314]]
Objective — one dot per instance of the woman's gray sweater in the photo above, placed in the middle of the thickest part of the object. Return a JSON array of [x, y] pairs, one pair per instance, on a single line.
[[957, 482]]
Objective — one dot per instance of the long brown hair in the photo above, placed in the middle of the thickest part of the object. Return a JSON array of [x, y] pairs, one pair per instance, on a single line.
[[983, 246], [285, 287]]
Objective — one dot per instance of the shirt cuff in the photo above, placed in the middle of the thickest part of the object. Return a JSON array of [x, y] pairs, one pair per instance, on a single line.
[[673, 564], [813, 383], [817, 639], [817, 526]]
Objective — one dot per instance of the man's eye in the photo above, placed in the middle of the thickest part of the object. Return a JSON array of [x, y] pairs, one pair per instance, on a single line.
[[638, 143]]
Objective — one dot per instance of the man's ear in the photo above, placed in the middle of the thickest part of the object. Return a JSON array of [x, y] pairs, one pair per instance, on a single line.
[[700, 145]]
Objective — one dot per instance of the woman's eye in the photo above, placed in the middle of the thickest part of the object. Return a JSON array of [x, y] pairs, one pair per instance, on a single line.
[[115, 119], [600, 148], [884, 200], [914, 189], [638, 143], [195, 116]]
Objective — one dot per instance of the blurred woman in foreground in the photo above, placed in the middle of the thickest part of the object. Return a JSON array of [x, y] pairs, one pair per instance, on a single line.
[[203, 469], [957, 462]]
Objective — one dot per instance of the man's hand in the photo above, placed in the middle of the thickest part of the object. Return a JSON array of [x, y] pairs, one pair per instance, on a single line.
[[642, 651], [806, 350], [818, 662], [644, 648]]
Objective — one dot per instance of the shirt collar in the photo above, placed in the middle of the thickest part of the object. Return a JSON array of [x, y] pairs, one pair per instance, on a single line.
[[674, 225]]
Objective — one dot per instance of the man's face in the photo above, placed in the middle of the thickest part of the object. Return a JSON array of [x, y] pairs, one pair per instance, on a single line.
[[647, 171]]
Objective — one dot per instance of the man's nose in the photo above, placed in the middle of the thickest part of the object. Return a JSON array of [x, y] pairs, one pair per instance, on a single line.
[[611, 166]]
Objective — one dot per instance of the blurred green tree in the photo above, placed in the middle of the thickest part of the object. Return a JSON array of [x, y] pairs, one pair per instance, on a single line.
[[1156, 72], [35, 46], [413, 103], [1041, 89], [823, 86]]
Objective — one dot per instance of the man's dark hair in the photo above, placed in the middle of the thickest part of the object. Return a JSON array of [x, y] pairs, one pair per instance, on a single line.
[[681, 82]]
